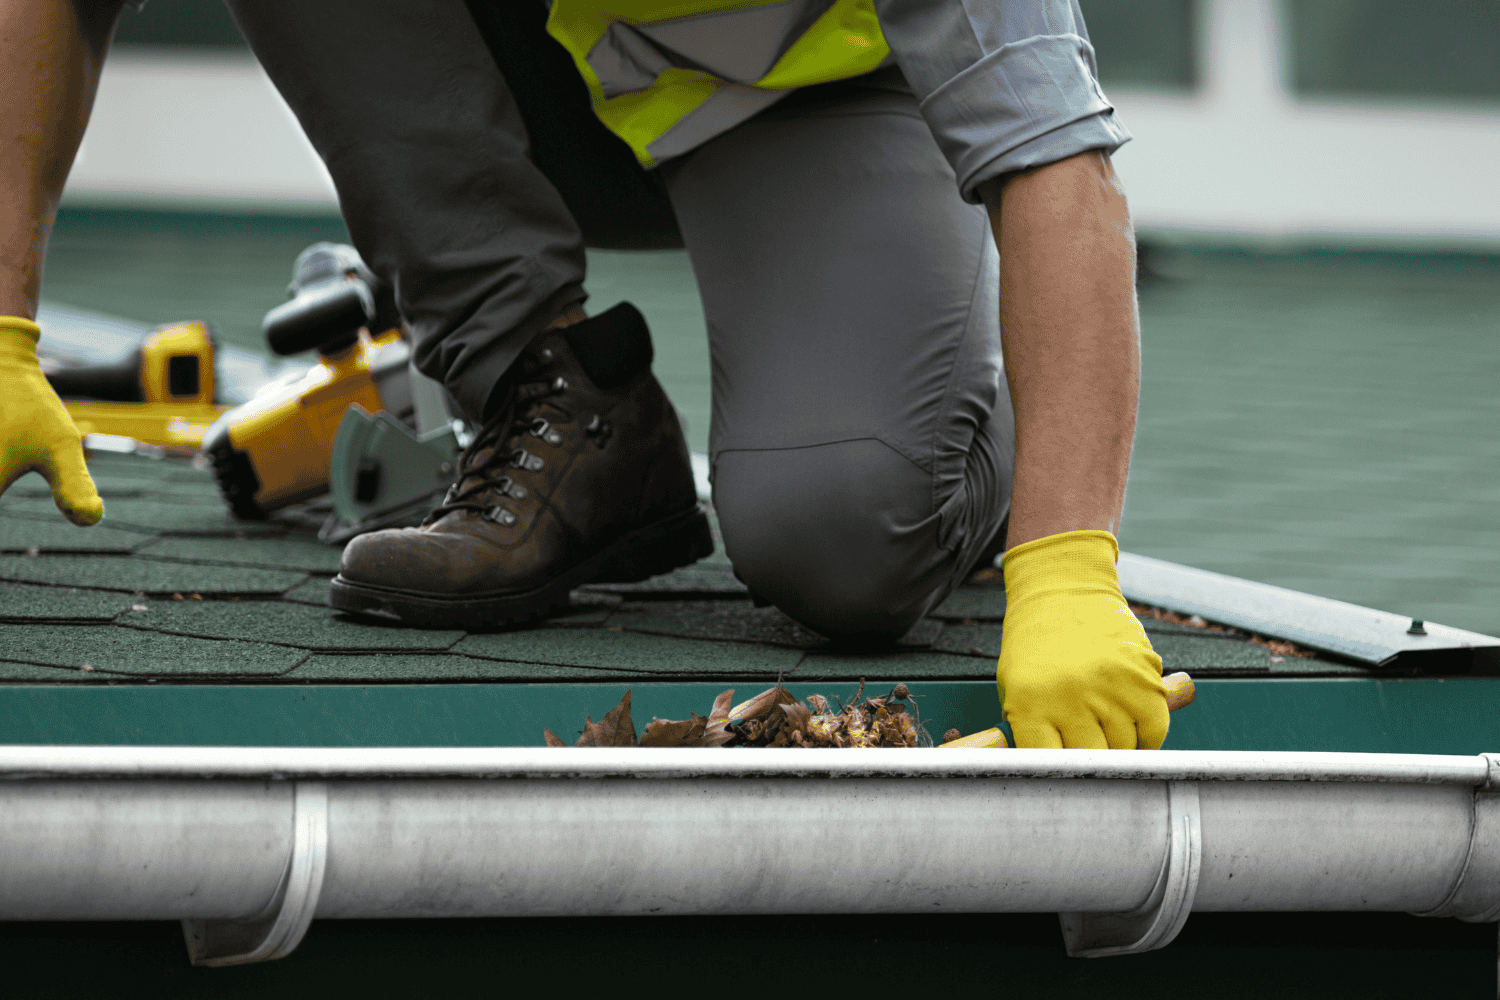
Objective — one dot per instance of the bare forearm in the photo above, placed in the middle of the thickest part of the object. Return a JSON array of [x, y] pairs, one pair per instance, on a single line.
[[51, 52], [1071, 339]]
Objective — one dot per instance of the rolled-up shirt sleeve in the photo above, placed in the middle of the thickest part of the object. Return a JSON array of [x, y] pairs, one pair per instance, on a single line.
[[1004, 85]]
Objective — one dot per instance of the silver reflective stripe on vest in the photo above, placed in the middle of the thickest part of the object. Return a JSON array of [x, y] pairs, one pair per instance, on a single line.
[[625, 61], [731, 104], [739, 46]]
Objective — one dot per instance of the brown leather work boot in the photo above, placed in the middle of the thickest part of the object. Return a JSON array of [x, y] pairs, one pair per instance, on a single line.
[[581, 475]]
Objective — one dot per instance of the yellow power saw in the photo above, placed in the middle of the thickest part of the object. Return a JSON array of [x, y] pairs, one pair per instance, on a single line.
[[161, 393], [361, 424]]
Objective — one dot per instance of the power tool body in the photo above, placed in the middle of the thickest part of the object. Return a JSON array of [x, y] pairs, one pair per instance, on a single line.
[[162, 392], [351, 422]]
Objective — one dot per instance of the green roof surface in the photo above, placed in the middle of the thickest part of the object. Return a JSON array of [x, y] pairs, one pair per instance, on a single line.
[[1320, 420], [171, 588]]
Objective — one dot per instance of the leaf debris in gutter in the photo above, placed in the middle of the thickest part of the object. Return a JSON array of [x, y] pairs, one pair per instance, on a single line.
[[773, 718]]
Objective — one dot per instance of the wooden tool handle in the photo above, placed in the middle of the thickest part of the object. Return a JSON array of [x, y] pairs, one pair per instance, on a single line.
[[1180, 692]]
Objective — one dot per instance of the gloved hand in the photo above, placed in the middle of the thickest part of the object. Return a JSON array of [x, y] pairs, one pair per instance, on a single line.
[[1076, 669], [36, 433]]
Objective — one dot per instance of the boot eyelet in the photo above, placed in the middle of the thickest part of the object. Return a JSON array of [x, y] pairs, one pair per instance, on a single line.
[[532, 362], [599, 430], [523, 459], [499, 515], [542, 429], [516, 491]]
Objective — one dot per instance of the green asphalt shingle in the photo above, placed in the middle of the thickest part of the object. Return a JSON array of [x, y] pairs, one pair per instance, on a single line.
[[314, 591], [112, 649], [710, 577], [34, 487], [20, 603], [1210, 653], [585, 608], [287, 552], [690, 581], [284, 623], [732, 620], [167, 517], [153, 515], [970, 640], [20, 535], [140, 575], [983, 604], [395, 668], [11, 673], [631, 652], [265, 616], [893, 667]]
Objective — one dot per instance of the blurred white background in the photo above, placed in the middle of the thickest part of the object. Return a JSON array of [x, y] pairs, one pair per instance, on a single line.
[[1287, 120]]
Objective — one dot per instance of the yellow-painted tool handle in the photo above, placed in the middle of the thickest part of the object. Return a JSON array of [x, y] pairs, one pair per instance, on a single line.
[[979, 741], [1180, 692]]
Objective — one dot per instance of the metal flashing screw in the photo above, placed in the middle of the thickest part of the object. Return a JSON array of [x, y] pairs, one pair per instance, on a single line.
[[1417, 627]]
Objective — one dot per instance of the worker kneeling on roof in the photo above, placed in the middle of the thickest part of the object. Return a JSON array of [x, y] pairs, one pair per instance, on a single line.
[[890, 407]]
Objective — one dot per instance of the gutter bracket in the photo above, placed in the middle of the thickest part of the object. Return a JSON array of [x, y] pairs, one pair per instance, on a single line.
[[278, 929], [1159, 919]]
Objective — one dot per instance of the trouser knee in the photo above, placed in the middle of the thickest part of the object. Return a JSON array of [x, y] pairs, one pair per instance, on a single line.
[[842, 537]]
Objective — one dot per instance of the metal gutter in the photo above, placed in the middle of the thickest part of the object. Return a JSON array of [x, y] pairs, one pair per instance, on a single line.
[[1375, 637], [37, 762], [247, 845]]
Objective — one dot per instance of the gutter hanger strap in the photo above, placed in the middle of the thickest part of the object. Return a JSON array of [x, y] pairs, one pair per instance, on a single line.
[[1159, 920], [276, 931]]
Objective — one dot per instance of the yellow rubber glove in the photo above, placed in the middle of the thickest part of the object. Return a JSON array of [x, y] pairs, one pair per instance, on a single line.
[[1076, 669], [36, 433]]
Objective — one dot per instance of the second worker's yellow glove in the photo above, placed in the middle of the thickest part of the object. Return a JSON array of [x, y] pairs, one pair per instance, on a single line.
[[36, 433], [1076, 669]]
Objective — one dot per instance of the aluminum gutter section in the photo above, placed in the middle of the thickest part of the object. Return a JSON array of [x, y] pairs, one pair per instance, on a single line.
[[247, 845], [1375, 637]]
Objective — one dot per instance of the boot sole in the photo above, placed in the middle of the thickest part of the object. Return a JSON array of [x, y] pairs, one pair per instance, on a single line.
[[669, 544]]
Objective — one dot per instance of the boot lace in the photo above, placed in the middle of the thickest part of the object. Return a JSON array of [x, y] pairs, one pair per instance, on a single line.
[[528, 409]]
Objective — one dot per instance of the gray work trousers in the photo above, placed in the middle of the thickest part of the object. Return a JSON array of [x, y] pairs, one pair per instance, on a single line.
[[862, 437]]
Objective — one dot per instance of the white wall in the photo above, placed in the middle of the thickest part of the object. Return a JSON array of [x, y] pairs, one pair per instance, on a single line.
[[1244, 156], [192, 129], [1240, 159]]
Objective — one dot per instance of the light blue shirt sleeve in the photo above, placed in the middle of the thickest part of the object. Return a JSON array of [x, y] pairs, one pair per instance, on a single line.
[[1004, 85]]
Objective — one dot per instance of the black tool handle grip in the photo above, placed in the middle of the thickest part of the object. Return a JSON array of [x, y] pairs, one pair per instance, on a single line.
[[115, 383], [325, 317]]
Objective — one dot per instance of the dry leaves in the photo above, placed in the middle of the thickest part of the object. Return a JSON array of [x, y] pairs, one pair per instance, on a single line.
[[1280, 647], [713, 731], [614, 730], [773, 718]]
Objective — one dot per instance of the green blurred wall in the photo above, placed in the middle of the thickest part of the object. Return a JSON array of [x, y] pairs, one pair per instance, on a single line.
[[1434, 49]]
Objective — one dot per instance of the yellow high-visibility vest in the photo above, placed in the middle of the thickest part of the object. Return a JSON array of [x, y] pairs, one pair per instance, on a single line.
[[667, 75]]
